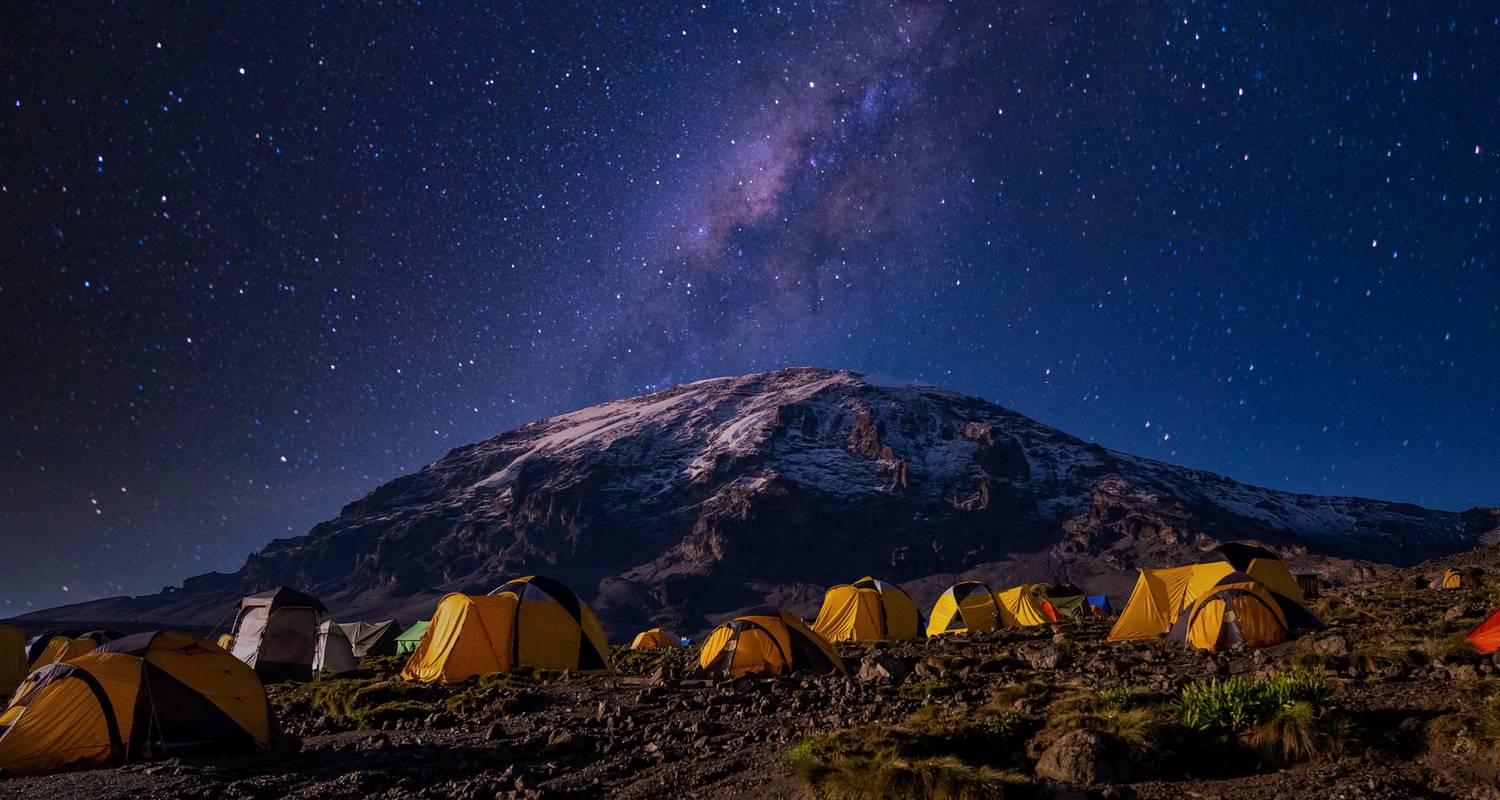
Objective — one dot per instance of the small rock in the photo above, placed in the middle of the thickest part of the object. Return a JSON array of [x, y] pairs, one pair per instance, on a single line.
[[883, 667], [1335, 645]]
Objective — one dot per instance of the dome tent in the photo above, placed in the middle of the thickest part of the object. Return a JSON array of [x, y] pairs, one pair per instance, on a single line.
[[276, 633], [655, 639], [965, 606], [1455, 579], [372, 638], [334, 652], [1239, 611], [868, 610], [533, 621], [1161, 595], [408, 639], [1021, 607], [766, 641], [149, 694], [55, 646]]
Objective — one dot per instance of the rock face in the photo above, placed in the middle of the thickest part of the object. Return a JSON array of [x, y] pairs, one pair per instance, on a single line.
[[679, 507]]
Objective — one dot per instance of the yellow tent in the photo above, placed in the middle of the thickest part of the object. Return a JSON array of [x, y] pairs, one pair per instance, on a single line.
[[966, 606], [1020, 607], [150, 694], [1455, 579], [532, 621], [13, 666], [1239, 611], [1261, 564], [867, 610], [1159, 597], [766, 641], [66, 648], [655, 639]]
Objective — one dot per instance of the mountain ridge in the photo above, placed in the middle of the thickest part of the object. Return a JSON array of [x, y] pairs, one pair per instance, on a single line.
[[684, 505]]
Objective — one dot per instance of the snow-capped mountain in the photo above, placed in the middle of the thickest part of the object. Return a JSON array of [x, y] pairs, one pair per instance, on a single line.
[[684, 505]]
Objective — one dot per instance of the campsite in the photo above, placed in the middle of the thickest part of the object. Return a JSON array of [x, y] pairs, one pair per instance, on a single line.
[[1383, 696]]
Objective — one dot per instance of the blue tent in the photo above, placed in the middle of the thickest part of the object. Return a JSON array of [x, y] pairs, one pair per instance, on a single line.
[[1101, 602]]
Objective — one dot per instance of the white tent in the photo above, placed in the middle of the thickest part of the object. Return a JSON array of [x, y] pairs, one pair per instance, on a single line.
[[276, 633], [334, 652]]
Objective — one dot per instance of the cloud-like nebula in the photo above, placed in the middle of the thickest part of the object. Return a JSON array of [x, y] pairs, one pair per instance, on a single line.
[[821, 126]]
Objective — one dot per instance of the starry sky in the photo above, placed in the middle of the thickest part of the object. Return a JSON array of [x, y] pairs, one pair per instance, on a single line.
[[257, 259]]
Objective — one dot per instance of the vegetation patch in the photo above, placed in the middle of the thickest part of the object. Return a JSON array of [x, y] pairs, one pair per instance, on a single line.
[[365, 702], [938, 753], [1285, 719]]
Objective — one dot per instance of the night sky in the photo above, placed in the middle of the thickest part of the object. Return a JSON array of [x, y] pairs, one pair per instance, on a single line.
[[257, 260]]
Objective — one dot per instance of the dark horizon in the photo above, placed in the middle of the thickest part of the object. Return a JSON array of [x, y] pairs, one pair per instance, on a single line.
[[269, 261]]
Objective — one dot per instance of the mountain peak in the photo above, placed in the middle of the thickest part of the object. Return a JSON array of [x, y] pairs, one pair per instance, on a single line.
[[680, 506]]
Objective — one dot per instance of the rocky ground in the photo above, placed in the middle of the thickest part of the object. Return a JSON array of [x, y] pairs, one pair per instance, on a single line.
[[1386, 702]]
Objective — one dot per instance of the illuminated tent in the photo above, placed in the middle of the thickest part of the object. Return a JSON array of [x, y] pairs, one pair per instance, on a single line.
[[1262, 565], [867, 610], [655, 639], [766, 641], [276, 633], [1020, 607], [966, 606], [1160, 595], [1455, 579], [57, 646], [148, 695], [1238, 611], [532, 621]]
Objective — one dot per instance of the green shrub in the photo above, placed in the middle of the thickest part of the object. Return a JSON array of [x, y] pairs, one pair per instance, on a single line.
[[1286, 718]]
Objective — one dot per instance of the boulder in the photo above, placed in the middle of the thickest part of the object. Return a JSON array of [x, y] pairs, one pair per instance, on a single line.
[[1083, 757]]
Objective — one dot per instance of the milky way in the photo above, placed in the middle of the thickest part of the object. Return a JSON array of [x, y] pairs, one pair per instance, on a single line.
[[257, 261]]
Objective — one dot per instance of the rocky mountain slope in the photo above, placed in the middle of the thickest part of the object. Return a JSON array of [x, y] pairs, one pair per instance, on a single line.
[[682, 506]]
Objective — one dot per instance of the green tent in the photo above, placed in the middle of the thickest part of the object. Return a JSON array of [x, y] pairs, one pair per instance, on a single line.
[[1068, 601], [407, 641]]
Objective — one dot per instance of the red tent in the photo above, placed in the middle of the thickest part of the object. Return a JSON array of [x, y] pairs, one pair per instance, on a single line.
[[1486, 635]]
